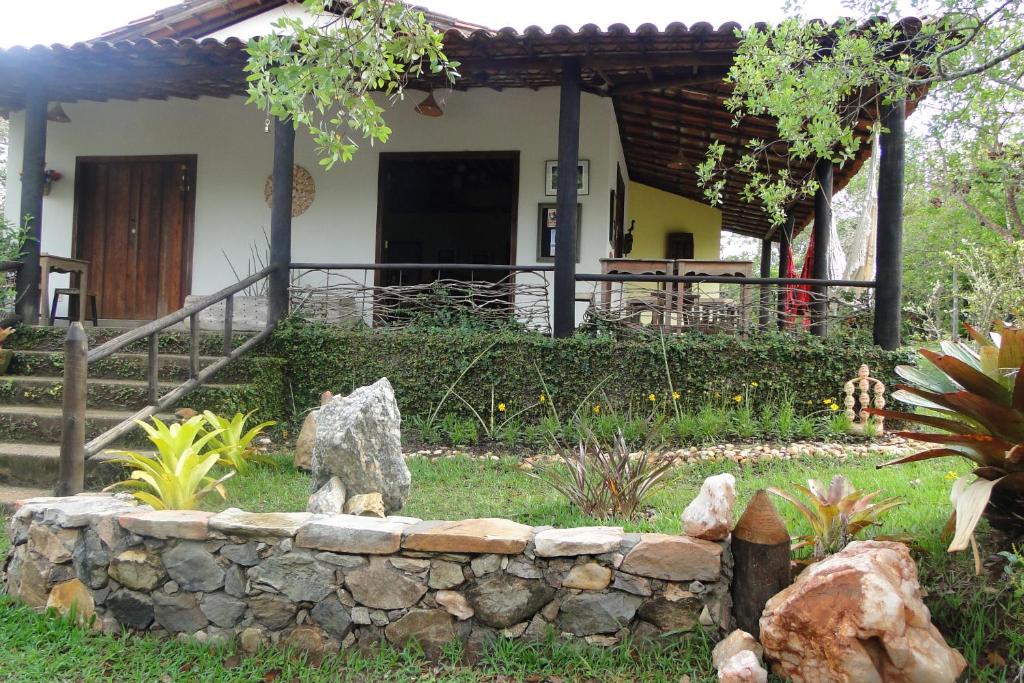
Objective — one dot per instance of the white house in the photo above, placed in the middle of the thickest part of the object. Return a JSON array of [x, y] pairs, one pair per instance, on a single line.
[[165, 168]]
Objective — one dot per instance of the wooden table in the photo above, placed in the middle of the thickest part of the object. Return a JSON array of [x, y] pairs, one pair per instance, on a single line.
[[633, 266], [61, 264]]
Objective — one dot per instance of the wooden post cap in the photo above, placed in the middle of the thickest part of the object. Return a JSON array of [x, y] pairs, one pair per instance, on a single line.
[[761, 522]]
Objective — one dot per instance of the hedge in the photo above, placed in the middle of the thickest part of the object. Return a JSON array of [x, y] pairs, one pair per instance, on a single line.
[[423, 363]]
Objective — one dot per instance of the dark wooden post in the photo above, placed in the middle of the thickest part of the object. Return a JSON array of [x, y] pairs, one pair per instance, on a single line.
[[71, 469], [760, 551], [766, 291], [281, 219], [785, 245], [565, 231], [822, 224], [889, 244], [33, 165]]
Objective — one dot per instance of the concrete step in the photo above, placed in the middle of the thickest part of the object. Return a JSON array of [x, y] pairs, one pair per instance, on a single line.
[[33, 464], [123, 366], [37, 338], [9, 495], [42, 424], [129, 394]]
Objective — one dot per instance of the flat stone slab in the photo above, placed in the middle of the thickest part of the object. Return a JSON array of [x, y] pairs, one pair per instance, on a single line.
[[592, 540], [488, 535], [192, 525], [263, 526], [674, 558], [72, 512], [352, 534]]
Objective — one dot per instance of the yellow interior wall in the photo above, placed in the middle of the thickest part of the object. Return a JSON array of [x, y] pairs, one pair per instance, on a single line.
[[657, 213]]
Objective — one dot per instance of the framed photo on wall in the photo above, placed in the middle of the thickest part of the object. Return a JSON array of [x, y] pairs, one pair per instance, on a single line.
[[547, 221], [551, 178]]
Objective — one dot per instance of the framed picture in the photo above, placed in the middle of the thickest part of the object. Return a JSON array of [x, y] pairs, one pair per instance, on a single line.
[[547, 221], [551, 178]]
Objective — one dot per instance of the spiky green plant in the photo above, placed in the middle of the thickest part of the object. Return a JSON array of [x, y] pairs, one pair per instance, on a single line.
[[176, 478], [837, 513], [973, 399], [234, 443]]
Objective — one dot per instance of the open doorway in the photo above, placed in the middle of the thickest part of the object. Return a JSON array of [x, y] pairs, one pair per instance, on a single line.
[[457, 207]]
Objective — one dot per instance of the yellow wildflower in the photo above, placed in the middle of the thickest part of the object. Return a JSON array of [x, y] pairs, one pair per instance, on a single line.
[[652, 398], [501, 407], [676, 395], [951, 475], [754, 384], [596, 409], [543, 398], [833, 407], [738, 398], [826, 401]]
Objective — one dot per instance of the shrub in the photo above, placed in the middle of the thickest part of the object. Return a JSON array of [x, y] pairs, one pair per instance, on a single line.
[[177, 478], [837, 513], [422, 365], [233, 442]]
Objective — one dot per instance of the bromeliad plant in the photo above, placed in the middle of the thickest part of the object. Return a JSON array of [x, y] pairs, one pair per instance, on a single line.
[[605, 480], [233, 442], [837, 513], [177, 476], [974, 400]]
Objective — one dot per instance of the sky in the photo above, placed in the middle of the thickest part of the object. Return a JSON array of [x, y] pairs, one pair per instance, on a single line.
[[30, 22]]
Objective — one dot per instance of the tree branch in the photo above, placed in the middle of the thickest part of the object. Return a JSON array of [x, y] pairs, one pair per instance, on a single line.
[[992, 225]]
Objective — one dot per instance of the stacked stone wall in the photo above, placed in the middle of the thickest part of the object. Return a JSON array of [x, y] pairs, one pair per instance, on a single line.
[[323, 583]]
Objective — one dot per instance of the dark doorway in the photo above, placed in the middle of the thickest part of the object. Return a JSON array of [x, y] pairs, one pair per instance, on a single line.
[[133, 224], [447, 208]]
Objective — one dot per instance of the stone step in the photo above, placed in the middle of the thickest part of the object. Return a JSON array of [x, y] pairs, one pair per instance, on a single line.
[[9, 495], [37, 338], [42, 424], [128, 366], [33, 464], [107, 393]]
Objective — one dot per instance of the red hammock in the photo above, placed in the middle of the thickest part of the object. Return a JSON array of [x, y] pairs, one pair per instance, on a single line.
[[797, 300]]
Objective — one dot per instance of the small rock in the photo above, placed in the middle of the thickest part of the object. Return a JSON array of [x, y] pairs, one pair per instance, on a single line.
[[590, 577], [334, 617], [193, 567], [380, 586], [743, 667], [300, 577], [709, 516], [500, 600], [178, 613], [455, 604], [303, 459], [485, 564], [137, 569], [365, 505], [306, 638], [580, 541], [222, 609], [431, 628], [329, 499], [273, 611], [733, 644], [72, 597], [252, 639], [597, 613], [444, 574]]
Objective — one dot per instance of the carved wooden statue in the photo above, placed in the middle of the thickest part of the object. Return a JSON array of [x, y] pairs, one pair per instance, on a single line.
[[870, 392]]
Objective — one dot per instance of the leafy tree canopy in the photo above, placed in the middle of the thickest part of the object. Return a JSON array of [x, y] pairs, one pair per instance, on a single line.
[[330, 73], [819, 81]]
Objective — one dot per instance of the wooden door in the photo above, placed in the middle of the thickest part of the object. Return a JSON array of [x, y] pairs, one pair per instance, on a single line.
[[134, 221]]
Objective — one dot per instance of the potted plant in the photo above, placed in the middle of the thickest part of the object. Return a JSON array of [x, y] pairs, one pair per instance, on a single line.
[[5, 354]]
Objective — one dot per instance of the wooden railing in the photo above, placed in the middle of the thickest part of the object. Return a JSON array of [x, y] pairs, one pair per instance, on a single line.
[[74, 451]]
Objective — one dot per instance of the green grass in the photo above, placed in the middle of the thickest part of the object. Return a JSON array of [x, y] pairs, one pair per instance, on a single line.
[[976, 614]]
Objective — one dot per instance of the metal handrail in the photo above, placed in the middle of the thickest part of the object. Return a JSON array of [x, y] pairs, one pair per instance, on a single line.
[[74, 451]]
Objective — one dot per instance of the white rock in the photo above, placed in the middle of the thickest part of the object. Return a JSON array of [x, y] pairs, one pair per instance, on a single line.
[[743, 667], [329, 499], [593, 540], [733, 644], [455, 604], [709, 516]]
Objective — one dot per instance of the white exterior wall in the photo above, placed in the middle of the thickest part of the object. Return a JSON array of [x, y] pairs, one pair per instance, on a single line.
[[235, 158]]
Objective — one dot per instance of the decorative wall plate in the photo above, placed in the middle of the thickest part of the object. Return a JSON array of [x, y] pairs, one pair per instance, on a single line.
[[303, 190]]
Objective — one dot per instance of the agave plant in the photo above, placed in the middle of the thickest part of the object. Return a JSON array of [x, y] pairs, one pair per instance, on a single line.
[[233, 442], [605, 480], [177, 476], [837, 513], [974, 400]]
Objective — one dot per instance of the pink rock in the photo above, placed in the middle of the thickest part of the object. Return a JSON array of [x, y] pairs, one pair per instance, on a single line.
[[743, 667], [709, 516], [857, 616]]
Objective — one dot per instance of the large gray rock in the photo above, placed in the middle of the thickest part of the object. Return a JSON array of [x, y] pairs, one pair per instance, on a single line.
[[592, 613], [192, 566], [300, 577], [131, 609], [333, 616], [273, 611], [358, 439], [501, 600], [222, 609], [179, 613], [382, 587]]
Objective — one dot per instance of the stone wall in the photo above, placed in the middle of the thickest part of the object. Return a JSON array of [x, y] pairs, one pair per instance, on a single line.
[[327, 582]]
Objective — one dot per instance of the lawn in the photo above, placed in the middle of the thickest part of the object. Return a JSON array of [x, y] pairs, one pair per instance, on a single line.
[[976, 614]]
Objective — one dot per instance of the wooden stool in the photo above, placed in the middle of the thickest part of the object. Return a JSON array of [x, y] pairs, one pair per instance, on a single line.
[[71, 292]]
